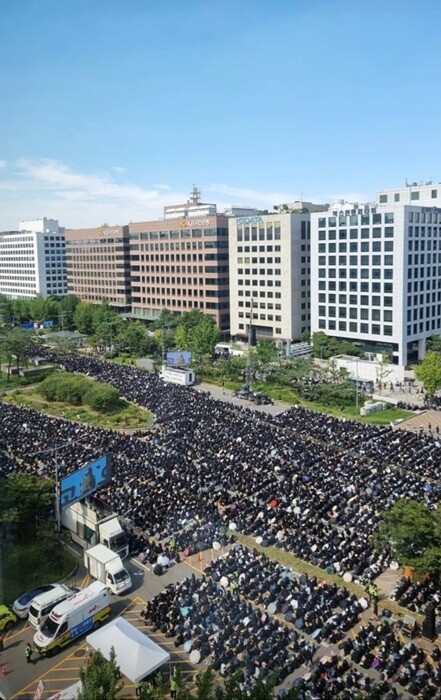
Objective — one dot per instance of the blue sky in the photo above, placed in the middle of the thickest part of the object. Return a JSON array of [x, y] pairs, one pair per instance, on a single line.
[[113, 108]]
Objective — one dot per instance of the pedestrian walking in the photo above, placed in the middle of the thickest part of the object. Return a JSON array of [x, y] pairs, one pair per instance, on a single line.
[[29, 650]]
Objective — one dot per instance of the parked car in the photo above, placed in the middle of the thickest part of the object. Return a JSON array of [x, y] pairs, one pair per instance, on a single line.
[[7, 619], [23, 603], [262, 399]]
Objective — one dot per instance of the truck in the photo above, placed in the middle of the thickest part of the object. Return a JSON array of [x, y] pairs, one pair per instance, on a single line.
[[106, 566], [75, 616], [89, 524]]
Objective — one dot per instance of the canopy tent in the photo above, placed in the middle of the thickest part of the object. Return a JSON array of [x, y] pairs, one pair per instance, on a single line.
[[136, 655], [70, 693]]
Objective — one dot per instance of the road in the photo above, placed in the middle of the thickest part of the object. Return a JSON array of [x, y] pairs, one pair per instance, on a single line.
[[19, 679]]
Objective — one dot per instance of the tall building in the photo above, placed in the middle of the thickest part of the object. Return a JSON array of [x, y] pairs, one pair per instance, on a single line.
[[98, 265], [376, 272], [270, 275], [180, 262], [32, 260]]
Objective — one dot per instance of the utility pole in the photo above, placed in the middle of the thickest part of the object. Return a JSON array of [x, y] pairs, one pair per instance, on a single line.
[[250, 336]]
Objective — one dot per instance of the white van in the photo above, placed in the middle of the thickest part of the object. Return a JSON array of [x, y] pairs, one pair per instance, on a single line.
[[75, 616], [42, 605]]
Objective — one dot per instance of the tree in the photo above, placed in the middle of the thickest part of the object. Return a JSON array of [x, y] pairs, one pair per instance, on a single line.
[[181, 337], [16, 346], [103, 313], [204, 338], [67, 310], [166, 319], [101, 397], [26, 502], [413, 532], [38, 309], [83, 317], [5, 309], [266, 353], [383, 371], [100, 679], [132, 338], [429, 372]]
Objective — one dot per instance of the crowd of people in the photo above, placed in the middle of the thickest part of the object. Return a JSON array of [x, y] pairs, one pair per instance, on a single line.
[[311, 484], [324, 611]]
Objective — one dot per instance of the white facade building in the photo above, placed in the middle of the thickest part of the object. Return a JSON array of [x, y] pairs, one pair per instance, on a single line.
[[32, 260], [269, 275], [376, 275]]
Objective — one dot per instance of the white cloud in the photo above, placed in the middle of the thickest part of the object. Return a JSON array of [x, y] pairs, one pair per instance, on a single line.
[[50, 188], [31, 189]]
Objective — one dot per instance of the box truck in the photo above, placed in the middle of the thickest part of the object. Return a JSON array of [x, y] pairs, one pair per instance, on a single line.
[[106, 566], [89, 525], [78, 614]]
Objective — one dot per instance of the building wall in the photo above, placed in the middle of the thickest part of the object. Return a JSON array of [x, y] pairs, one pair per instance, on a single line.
[[269, 275], [366, 284], [428, 195], [32, 261], [181, 264], [98, 265]]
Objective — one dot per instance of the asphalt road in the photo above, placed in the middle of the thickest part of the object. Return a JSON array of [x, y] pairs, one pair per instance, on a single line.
[[19, 679]]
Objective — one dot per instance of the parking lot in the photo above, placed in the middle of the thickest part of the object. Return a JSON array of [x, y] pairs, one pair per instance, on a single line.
[[19, 680]]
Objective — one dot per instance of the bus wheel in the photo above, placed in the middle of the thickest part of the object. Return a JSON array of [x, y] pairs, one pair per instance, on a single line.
[[97, 624]]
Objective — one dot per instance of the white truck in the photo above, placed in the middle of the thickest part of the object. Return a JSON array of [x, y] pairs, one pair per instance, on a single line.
[[106, 566], [89, 527], [80, 613]]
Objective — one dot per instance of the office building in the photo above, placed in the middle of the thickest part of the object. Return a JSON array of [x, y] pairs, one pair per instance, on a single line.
[[180, 262], [98, 265], [270, 274], [32, 260], [376, 273]]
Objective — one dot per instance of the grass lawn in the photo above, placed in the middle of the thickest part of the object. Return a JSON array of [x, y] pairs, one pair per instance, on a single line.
[[15, 381], [287, 395], [24, 568], [124, 416]]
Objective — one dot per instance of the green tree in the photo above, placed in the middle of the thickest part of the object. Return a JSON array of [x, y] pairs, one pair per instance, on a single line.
[[100, 679], [383, 371], [26, 502], [16, 344], [429, 372], [67, 310], [265, 353], [6, 314], [166, 319], [103, 313], [132, 338], [101, 397], [83, 317], [413, 533], [181, 337], [38, 309], [204, 338], [20, 310]]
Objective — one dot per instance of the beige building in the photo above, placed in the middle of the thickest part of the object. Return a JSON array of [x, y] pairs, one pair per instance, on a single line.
[[98, 265], [180, 262], [269, 275]]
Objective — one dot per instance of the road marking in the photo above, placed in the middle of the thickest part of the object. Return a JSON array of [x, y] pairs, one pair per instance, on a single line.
[[39, 678]]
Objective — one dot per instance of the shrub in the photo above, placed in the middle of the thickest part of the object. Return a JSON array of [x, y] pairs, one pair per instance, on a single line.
[[101, 397]]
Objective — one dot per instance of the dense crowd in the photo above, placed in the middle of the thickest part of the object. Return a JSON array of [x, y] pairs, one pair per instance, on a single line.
[[305, 482]]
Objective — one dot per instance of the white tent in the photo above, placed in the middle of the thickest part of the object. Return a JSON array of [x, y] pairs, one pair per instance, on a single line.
[[70, 693], [136, 654]]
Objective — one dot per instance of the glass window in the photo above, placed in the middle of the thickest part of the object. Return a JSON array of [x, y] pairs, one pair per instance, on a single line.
[[353, 327], [364, 328], [396, 197], [383, 198], [414, 196], [387, 330], [322, 223], [388, 316], [332, 221], [376, 219], [434, 194], [389, 218], [375, 329]]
